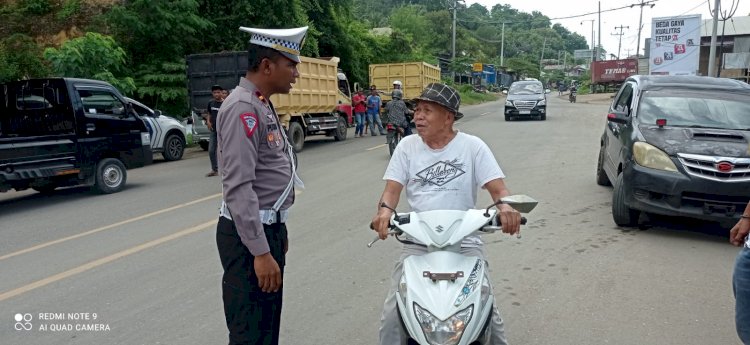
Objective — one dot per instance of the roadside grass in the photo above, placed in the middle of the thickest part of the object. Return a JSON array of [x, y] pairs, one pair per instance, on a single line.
[[469, 97]]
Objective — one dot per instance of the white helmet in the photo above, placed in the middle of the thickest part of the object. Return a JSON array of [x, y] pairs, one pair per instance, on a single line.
[[397, 82]]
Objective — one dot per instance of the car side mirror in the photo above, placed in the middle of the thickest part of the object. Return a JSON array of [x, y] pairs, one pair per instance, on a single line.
[[617, 117], [547, 91], [505, 92], [157, 113]]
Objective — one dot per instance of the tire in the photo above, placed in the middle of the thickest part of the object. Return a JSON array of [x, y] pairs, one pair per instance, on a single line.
[[601, 175], [543, 117], [341, 130], [204, 145], [393, 140], [174, 147], [507, 118], [296, 136], [621, 213], [110, 176]]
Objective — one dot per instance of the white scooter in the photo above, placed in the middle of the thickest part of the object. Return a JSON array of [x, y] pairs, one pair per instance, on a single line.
[[445, 298]]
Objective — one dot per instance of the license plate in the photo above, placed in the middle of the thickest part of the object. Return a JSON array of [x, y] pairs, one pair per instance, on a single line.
[[524, 112]]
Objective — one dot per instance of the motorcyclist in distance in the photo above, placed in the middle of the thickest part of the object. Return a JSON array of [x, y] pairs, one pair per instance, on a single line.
[[398, 112]]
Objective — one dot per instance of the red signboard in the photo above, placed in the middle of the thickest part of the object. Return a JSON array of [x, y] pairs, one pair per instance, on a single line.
[[613, 71]]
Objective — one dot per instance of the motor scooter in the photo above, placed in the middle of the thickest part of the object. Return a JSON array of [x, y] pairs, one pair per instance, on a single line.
[[572, 96], [445, 297]]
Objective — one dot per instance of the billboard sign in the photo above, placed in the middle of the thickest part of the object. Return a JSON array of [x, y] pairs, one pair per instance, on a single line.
[[583, 54], [675, 45]]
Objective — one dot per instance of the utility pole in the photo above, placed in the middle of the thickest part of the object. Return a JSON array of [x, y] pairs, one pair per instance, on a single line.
[[593, 49], [640, 25], [541, 57], [502, 45], [619, 45], [599, 35], [453, 54], [712, 50]]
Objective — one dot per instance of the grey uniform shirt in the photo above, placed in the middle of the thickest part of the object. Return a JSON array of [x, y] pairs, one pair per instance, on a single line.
[[253, 162]]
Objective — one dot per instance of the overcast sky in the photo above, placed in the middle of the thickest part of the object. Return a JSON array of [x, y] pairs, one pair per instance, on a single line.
[[612, 19]]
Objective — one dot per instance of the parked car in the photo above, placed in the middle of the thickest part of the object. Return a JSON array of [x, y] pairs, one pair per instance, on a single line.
[[526, 98], [58, 132], [201, 133], [677, 146], [168, 135]]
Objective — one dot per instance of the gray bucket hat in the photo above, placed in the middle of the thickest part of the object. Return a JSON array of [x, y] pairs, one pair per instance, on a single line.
[[444, 95]]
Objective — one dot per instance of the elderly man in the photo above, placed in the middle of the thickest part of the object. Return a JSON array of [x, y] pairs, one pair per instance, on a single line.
[[258, 177], [438, 144]]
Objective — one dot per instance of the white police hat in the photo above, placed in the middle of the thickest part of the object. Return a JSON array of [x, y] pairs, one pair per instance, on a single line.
[[287, 41]]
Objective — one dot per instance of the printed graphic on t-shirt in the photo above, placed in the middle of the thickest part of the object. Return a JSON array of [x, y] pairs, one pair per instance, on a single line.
[[440, 173]]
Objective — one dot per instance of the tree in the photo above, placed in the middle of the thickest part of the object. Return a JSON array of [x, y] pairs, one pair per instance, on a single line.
[[93, 56], [21, 58]]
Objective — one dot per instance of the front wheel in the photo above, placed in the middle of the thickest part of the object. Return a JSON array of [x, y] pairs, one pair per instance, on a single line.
[[110, 176], [296, 136], [174, 147], [621, 213], [341, 130], [601, 175]]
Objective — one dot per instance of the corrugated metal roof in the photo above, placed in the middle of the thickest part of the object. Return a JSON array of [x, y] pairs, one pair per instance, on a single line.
[[736, 26]]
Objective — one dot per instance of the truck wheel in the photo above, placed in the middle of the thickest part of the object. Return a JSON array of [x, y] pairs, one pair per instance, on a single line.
[[110, 176], [341, 130], [296, 136], [601, 175], [621, 213], [204, 145], [174, 147]]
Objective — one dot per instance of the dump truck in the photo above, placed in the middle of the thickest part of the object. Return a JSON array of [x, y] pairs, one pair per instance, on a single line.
[[318, 104], [414, 76]]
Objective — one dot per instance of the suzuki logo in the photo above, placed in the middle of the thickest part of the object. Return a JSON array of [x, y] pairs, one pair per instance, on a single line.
[[439, 228], [724, 167]]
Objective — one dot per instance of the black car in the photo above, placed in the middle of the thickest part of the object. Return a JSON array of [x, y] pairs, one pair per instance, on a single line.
[[526, 98], [677, 146], [57, 132]]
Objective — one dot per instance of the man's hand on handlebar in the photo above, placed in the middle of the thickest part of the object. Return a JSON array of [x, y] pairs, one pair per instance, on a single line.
[[510, 219], [381, 222]]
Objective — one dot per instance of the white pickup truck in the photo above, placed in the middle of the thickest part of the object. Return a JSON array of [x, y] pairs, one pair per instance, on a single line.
[[167, 133]]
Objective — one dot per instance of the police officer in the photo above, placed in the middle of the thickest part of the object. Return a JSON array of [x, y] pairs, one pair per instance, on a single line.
[[258, 177]]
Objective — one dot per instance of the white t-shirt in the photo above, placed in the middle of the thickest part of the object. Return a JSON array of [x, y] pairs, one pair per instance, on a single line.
[[444, 179]]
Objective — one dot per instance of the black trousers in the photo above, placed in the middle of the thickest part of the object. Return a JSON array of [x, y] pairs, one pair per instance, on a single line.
[[253, 317]]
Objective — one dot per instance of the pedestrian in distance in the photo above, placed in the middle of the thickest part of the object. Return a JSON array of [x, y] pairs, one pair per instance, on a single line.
[[360, 112], [217, 92], [738, 236], [374, 103], [258, 175]]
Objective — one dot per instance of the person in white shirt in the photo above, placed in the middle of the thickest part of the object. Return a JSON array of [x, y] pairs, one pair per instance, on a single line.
[[442, 169]]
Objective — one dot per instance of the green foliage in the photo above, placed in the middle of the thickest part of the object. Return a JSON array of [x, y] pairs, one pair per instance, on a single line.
[[69, 8], [93, 56], [164, 87], [20, 58], [36, 7]]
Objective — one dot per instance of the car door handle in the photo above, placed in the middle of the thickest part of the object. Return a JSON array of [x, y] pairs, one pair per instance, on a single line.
[[90, 127]]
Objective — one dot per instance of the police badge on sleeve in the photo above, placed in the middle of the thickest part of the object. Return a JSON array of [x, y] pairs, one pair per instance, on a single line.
[[250, 122]]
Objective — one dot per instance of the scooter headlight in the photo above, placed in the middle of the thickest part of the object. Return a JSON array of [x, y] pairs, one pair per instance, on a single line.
[[443, 332]]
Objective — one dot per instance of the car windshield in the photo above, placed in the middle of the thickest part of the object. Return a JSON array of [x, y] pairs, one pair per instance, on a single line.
[[525, 88], [706, 109]]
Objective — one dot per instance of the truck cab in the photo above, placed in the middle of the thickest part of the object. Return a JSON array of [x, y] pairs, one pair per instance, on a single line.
[[57, 132]]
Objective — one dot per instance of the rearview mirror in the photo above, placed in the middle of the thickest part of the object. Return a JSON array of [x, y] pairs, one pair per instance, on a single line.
[[522, 203], [547, 91], [157, 113], [617, 117], [505, 92]]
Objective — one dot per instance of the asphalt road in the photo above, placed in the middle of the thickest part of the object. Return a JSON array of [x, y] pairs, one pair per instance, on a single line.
[[145, 261]]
